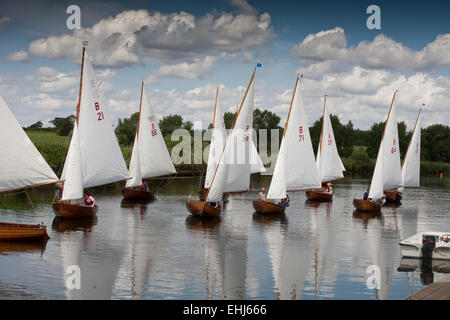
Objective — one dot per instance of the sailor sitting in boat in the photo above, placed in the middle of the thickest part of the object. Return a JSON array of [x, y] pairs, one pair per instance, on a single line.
[[366, 195], [217, 204], [381, 201], [144, 186], [329, 188], [59, 192], [262, 194], [88, 199], [285, 202]]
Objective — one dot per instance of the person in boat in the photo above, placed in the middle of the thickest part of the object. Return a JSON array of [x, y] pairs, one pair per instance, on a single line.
[[215, 204], [262, 194], [88, 199], [144, 186], [329, 188], [59, 192], [285, 202], [366, 195]]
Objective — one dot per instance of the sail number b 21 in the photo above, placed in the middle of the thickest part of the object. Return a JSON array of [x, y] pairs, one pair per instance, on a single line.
[[100, 115]]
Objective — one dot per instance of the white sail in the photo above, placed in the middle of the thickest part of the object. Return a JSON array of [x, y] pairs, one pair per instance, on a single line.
[[154, 157], [387, 173], [73, 186], [21, 164], [328, 162], [257, 165], [411, 163], [218, 137], [300, 161], [237, 151], [277, 189], [101, 157], [135, 167]]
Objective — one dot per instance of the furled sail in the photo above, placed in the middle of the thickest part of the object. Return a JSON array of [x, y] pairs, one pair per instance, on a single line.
[[154, 159], [411, 163], [328, 162], [387, 173], [21, 164]]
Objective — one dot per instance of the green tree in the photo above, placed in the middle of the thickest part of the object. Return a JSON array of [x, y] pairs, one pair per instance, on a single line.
[[126, 129], [63, 126], [36, 126], [435, 143]]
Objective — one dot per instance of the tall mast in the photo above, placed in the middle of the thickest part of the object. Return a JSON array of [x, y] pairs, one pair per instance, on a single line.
[[215, 107], [292, 101], [140, 109], [412, 135], [389, 114], [77, 116], [323, 123]]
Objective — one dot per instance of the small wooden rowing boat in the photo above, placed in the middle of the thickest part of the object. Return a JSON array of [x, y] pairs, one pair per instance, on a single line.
[[73, 210], [202, 209], [20, 231], [133, 194], [366, 205], [267, 207], [319, 195]]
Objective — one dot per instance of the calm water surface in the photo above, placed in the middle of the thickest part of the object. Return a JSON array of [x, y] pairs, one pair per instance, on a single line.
[[156, 251]]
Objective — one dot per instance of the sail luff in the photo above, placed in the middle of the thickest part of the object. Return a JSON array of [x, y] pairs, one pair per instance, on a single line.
[[412, 136], [411, 162]]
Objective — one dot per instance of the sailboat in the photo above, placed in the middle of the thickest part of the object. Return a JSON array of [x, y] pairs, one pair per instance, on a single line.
[[411, 161], [328, 162], [218, 138], [94, 157], [150, 157], [232, 174], [296, 154], [21, 167], [387, 174]]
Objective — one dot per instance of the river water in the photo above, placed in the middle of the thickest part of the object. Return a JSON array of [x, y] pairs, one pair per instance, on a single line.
[[156, 251]]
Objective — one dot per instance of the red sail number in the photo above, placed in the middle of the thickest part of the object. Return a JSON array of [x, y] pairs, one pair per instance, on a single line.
[[100, 115], [301, 136]]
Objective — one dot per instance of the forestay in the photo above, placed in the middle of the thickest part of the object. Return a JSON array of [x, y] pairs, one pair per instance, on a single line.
[[387, 173], [329, 163], [411, 163], [21, 164]]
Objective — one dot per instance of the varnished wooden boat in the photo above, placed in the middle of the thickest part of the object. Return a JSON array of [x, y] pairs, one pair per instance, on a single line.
[[319, 195], [133, 194], [203, 193], [392, 196], [266, 207], [366, 205], [202, 209], [19, 231], [73, 210]]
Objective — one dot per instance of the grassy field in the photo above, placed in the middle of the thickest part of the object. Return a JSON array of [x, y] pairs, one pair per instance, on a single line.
[[54, 148]]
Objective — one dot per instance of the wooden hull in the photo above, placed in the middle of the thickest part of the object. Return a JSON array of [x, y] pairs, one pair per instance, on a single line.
[[266, 207], [392, 196], [202, 209], [19, 231], [73, 211], [316, 195], [131, 194], [366, 205], [202, 195]]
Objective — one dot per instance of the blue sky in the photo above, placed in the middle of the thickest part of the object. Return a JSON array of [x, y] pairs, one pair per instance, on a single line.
[[183, 50]]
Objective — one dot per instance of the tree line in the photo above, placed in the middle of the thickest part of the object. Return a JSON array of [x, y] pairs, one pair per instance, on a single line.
[[355, 143]]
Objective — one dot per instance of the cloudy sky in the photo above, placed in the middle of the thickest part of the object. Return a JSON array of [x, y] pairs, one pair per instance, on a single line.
[[184, 49]]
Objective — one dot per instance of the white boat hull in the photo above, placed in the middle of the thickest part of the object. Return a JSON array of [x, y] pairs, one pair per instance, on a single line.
[[412, 247]]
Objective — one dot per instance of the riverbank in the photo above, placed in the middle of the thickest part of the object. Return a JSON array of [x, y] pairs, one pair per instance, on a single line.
[[435, 291]]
